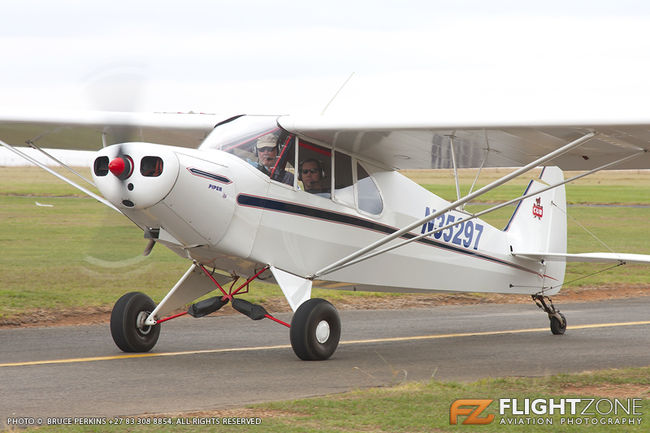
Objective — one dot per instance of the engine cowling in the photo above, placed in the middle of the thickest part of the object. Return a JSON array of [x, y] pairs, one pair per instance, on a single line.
[[135, 175]]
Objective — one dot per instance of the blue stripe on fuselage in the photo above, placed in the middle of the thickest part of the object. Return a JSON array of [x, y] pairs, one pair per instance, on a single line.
[[331, 216]]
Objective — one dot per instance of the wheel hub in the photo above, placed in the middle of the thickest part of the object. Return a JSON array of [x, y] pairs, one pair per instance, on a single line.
[[322, 331], [139, 322]]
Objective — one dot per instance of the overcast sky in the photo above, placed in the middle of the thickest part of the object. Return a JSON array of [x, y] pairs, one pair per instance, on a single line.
[[433, 58]]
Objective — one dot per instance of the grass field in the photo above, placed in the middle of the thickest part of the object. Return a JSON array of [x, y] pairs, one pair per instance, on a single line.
[[424, 407], [79, 254], [606, 187]]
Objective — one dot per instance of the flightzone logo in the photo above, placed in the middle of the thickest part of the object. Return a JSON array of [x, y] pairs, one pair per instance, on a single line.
[[547, 411], [471, 410]]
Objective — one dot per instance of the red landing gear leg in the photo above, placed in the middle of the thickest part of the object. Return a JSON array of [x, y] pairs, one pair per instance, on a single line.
[[203, 308], [315, 327]]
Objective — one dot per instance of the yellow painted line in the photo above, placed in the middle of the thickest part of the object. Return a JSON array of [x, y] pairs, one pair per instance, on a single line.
[[141, 355], [286, 346], [478, 334]]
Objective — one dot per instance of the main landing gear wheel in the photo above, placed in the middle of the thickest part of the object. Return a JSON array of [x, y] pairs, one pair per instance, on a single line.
[[558, 327], [315, 330], [127, 323]]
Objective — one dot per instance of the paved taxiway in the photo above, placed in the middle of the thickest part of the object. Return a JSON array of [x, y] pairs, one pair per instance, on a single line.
[[220, 362]]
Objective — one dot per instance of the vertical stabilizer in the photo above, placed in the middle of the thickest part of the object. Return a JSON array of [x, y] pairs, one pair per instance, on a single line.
[[539, 222]]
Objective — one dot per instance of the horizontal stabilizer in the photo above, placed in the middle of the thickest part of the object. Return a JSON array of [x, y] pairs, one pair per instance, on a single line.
[[587, 257]]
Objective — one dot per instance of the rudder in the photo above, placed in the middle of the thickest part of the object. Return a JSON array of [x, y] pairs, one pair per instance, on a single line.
[[539, 222]]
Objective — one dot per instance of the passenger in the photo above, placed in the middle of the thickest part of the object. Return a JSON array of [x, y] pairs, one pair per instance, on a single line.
[[312, 175], [266, 149]]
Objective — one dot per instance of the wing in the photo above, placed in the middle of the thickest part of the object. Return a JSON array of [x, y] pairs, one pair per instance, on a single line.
[[89, 130], [427, 145]]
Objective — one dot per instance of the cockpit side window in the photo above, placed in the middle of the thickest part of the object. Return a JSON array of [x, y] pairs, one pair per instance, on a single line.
[[343, 182], [314, 168], [368, 197], [353, 186]]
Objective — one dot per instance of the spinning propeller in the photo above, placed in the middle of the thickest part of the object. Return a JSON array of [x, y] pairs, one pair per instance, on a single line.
[[116, 87]]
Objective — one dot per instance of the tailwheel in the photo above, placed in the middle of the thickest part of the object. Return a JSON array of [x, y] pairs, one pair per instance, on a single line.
[[558, 321], [315, 330], [127, 323], [558, 324]]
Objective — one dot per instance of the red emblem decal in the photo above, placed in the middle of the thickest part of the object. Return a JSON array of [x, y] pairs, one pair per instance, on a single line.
[[538, 210]]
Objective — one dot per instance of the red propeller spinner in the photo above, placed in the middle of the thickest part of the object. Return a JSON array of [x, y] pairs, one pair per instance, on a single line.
[[121, 167]]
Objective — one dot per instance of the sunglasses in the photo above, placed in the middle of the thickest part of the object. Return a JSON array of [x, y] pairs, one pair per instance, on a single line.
[[310, 170], [266, 149]]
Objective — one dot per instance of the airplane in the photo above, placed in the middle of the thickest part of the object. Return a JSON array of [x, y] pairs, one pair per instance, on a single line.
[[319, 201]]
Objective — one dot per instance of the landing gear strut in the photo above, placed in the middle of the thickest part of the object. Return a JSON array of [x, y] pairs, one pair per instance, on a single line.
[[558, 321]]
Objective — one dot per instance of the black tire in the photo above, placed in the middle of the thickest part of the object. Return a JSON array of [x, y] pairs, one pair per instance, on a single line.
[[304, 325], [130, 309], [557, 327]]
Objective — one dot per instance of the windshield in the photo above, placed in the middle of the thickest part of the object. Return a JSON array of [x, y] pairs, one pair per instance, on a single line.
[[259, 141], [239, 135]]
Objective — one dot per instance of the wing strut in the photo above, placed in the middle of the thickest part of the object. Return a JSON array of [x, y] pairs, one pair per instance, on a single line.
[[486, 211], [67, 167], [453, 160], [478, 173], [345, 260], [63, 178]]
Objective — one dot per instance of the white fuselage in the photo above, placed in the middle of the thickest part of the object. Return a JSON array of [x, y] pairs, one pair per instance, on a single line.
[[217, 209]]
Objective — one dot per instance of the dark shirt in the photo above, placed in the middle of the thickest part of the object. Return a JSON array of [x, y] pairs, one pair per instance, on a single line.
[[283, 176]]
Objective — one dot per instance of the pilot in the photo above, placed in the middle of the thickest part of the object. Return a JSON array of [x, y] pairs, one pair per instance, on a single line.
[[312, 175], [266, 149]]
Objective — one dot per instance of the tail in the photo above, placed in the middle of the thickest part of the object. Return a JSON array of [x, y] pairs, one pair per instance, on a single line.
[[539, 224]]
